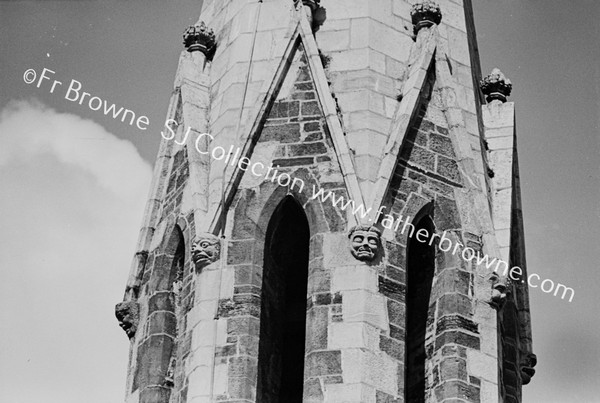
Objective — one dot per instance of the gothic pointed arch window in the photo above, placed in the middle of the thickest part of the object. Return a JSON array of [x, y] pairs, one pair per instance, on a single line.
[[283, 305], [420, 273], [156, 368]]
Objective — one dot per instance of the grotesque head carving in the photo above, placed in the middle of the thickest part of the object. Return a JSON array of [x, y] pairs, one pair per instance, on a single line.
[[500, 291], [128, 314], [527, 363], [205, 250], [365, 242]]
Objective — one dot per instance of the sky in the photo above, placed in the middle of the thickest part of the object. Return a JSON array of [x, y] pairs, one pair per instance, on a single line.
[[75, 181]]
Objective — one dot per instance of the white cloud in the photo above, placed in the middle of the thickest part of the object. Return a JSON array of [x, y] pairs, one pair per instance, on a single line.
[[29, 130], [72, 202]]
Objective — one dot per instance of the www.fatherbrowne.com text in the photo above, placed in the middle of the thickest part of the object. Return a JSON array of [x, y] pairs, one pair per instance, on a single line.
[[232, 156]]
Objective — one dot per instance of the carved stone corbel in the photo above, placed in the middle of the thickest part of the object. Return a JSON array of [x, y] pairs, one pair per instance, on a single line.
[[501, 289], [365, 242], [128, 314], [527, 364], [206, 249]]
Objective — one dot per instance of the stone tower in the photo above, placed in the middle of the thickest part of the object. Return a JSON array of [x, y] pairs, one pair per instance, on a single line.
[[334, 209]]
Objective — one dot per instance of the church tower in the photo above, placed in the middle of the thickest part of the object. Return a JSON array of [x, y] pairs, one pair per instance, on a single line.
[[333, 214]]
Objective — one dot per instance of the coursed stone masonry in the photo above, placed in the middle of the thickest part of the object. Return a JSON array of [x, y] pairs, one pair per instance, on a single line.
[[378, 101]]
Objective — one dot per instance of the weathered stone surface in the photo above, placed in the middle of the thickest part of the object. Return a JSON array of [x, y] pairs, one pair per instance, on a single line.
[[392, 347], [316, 331], [392, 289], [321, 363], [313, 392], [458, 389], [206, 249], [396, 313], [366, 241], [290, 162], [155, 394], [128, 315], [153, 358], [240, 252], [162, 322], [331, 120], [448, 169], [240, 305], [460, 338], [453, 368], [161, 301], [307, 149], [382, 397], [285, 133], [359, 306], [454, 303]]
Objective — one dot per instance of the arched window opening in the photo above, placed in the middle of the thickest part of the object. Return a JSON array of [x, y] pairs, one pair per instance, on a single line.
[[283, 306], [420, 272], [175, 295], [156, 362]]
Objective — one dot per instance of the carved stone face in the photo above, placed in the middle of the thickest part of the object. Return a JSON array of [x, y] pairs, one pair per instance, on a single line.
[[205, 250], [128, 315], [365, 242], [500, 292], [527, 364]]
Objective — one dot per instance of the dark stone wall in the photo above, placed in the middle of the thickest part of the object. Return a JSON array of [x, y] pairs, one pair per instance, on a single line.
[[304, 150], [423, 184], [167, 293], [510, 381]]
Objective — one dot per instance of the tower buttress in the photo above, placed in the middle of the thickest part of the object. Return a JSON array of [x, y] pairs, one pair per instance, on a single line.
[[329, 177]]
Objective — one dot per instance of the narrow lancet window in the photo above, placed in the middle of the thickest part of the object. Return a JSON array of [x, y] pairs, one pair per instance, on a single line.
[[283, 306], [420, 272]]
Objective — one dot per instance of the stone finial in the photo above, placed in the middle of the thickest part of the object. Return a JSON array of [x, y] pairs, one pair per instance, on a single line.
[[128, 314], [425, 14], [206, 249], [199, 37], [312, 4], [365, 242], [496, 86], [315, 13], [527, 363]]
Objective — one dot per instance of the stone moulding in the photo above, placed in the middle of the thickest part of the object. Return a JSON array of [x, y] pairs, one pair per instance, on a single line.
[[299, 33], [424, 48], [496, 86], [199, 38], [425, 15]]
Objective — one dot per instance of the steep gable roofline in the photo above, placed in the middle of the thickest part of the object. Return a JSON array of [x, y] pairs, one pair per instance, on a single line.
[[422, 58], [299, 33]]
